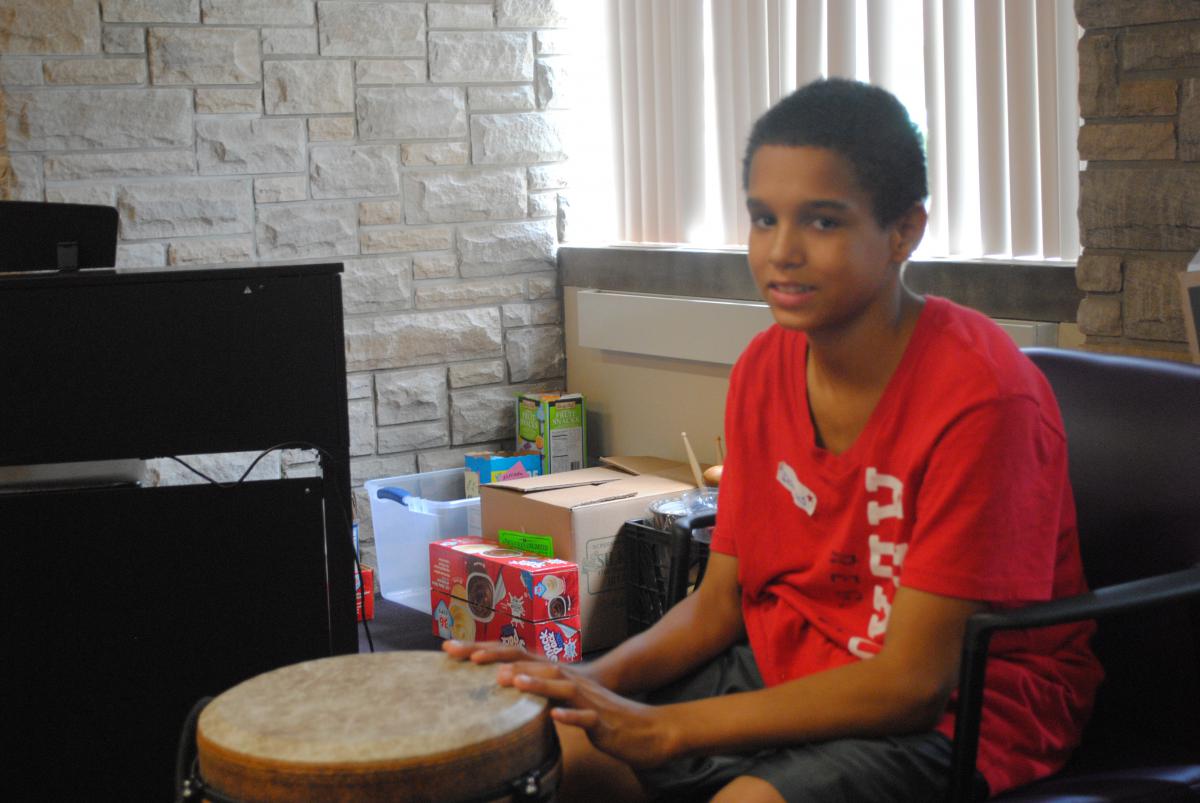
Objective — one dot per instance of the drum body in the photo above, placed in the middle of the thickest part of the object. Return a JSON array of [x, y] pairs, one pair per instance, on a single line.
[[401, 726]]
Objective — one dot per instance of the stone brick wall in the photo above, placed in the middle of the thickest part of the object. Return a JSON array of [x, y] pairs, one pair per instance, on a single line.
[[416, 142], [1139, 199]]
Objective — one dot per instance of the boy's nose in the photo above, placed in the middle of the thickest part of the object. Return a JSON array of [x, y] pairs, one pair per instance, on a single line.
[[787, 248]]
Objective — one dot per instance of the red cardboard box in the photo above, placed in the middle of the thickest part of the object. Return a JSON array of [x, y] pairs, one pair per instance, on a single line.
[[367, 598], [557, 639], [518, 584]]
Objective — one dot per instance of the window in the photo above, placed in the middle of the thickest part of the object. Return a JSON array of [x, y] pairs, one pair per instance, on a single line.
[[673, 87]]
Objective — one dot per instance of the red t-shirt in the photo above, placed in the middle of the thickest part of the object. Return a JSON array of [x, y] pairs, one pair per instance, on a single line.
[[956, 486]]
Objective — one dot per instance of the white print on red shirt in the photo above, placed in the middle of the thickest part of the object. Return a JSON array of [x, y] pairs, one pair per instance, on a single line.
[[886, 557], [803, 498]]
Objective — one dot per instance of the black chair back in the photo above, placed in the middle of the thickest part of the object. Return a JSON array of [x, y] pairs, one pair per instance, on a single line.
[[1133, 432]]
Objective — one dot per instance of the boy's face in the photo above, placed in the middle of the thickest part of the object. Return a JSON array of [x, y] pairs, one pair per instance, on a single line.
[[818, 256]]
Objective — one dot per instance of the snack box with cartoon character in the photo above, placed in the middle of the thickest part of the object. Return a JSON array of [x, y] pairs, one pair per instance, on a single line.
[[556, 639], [490, 576]]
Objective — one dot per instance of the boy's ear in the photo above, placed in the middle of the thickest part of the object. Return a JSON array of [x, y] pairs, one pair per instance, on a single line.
[[907, 232]]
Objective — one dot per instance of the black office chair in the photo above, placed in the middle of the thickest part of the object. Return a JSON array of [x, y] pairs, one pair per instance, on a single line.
[[1133, 432], [49, 236]]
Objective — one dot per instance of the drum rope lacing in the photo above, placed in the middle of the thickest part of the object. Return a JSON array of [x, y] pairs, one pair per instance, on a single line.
[[190, 786]]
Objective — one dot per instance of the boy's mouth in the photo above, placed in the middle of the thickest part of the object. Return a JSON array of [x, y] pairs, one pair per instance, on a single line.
[[788, 294]]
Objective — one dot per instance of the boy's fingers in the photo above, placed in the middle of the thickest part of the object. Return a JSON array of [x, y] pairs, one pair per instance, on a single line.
[[584, 718], [554, 688]]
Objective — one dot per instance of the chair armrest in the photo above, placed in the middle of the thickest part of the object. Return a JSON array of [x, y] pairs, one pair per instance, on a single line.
[[1144, 593]]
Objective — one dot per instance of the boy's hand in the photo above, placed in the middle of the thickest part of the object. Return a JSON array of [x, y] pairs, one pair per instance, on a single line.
[[638, 734], [486, 652]]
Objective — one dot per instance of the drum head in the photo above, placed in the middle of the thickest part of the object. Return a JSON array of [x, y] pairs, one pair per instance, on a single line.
[[395, 726]]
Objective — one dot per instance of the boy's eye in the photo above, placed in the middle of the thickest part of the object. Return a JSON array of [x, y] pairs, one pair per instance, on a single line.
[[762, 220], [824, 223]]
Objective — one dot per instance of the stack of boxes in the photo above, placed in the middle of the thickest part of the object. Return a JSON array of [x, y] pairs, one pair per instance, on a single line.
[[481, 591]]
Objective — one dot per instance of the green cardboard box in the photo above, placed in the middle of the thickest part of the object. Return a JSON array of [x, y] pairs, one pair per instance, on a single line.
[[554, 424]]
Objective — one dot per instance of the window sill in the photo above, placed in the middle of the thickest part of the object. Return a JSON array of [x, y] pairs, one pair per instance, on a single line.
[[1016, 289]]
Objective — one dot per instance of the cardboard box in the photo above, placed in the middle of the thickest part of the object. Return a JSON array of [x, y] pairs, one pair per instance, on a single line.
[[556, 639], [485, 467], [517, 583], [582, 512], [365, 601], [554, 425]]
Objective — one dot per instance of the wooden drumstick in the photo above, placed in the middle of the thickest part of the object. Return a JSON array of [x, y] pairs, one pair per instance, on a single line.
[[695, 463]]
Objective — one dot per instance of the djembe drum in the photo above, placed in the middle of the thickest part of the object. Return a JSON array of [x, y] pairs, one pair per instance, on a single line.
[[401, 726]]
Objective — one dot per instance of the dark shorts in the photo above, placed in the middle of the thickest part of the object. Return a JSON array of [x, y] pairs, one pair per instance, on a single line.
[[901, 768]]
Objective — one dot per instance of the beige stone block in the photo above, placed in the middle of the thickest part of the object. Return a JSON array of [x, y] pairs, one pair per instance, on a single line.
[[380, 213], [1100, 315], [1098, 273], [434, 154], [413, 436], [308, 86], [435, 266], [1147, 209], [124, 39], [405, 397], [1115, 13], [377, 284], [360, 386], [552, 80], [386, 240], [543, 285], [501, 98], [389, 71], [94, 71], [459, 57], [151, 10], [196, 207], [461, 15], [371, 29], [249, 145], [94, 194], [257, 12], [507, 248], [1189, 120], [49, 26], [85, 119], [204, 56], [547, 177], [26, 182], [306, 230], [455, 196], [347, 171], [368, 468], [361, 416], [1146, 98], [1097, 75], [5, 177], [422, 338], [1175, 47], [84, 166], [330, 129], [211, 251], [535, 353], [552, 42], [228, 101], [141, 255], [3, 120], [1127, 141], [471, 374], [477, 292], [483, 414], [517, 138], [1152, 307], [279, 189], [20, 72], [411, 112], [289, 41], [532, 13]]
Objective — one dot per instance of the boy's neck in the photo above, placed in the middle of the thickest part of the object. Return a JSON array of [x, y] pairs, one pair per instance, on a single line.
[[865, 353]]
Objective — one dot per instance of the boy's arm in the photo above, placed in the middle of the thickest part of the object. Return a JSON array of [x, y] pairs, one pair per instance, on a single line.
[[902, 689]]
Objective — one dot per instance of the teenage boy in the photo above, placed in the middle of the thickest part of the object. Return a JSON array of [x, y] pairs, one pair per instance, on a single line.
[[894, 465]]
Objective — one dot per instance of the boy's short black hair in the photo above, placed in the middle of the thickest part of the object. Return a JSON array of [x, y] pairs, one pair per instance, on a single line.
[[865, 124]]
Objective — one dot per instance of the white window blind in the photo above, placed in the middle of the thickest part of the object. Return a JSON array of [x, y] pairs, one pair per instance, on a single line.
[[678, 84]]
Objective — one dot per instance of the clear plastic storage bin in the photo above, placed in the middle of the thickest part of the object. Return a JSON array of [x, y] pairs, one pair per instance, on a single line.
[[408, 513]]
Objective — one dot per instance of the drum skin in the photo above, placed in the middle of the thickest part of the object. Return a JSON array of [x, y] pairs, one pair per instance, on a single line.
[[400, 726]]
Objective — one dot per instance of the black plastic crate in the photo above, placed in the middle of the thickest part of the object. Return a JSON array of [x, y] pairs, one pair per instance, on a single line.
[[661, 567]]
